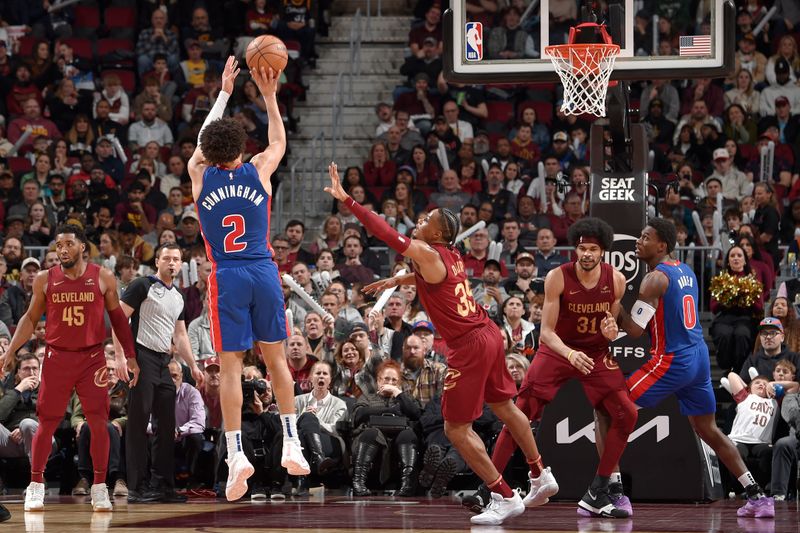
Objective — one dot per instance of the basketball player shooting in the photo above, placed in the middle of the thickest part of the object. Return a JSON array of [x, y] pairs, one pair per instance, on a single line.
[[581, 298], [244, 288], [680, 363], [74, 296], [476, 368]]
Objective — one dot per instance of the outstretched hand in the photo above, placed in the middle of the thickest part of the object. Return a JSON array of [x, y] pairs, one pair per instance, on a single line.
[[335, 189], [379, 286], [229, 74], [266, 80]]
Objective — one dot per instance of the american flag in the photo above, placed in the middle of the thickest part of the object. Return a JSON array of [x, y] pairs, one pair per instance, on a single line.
[[695, 45]]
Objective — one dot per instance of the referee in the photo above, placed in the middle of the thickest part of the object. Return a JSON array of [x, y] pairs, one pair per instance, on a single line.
[[155, 307]]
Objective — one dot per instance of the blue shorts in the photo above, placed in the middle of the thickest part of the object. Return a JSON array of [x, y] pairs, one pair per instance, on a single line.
[[687, 375], [245, 304]]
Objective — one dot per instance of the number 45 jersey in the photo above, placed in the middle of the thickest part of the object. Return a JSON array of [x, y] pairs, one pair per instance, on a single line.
[[449, 303], [234, 212], [675, 325]]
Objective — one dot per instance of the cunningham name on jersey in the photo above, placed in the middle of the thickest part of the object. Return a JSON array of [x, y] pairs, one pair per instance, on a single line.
[[231, 191]]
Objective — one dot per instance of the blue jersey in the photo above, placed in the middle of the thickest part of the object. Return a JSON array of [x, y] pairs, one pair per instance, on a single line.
[[234, 211], [676, 325]]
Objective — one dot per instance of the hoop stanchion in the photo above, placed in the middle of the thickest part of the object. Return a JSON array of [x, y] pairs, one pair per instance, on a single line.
[[585, 71]]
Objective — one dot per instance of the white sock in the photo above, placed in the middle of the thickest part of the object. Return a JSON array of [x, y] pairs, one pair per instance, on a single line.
[[234, 441], [747, 479], [289, 426], [616, 477]]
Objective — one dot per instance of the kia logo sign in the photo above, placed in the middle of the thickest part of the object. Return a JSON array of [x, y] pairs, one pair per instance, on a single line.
[[623, 256]]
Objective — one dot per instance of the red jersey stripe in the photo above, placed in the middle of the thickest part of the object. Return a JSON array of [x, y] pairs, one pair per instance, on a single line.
[[650, 372]]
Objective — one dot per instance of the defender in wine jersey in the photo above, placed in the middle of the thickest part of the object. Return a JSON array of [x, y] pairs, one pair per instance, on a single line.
[[245, 299], [679, 362], [581, 299], [476, 366], [74, 295]]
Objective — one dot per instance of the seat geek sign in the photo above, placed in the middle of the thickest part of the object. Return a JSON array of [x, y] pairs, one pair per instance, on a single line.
[[617, 190]]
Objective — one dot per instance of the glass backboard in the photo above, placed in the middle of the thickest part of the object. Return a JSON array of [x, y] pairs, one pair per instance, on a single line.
[[658, 39]]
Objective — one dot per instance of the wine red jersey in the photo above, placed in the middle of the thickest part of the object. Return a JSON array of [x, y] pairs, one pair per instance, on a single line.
[[582, 310], [449, 303], [74, 310]]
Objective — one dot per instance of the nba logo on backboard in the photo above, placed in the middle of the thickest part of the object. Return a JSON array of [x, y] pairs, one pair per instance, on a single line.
[[474, 34]]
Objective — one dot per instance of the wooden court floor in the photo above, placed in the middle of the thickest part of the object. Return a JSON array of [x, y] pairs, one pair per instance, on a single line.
[[341, 514]]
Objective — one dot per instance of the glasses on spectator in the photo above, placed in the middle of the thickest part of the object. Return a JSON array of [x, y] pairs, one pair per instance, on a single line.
[[769, 334], [281, 247], [29, 368]]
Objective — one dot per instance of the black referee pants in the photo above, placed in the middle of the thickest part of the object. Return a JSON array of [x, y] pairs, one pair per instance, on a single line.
[[153, 396]]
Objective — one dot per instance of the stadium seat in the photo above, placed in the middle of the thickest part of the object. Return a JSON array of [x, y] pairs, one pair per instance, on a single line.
[[81, 47], [501, 114], [26, 44], [111, 52], [120, 17], [293, 49], [87, 20], [19, 165]]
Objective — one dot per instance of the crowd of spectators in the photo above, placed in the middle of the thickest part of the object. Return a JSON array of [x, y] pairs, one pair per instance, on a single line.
[[111, 134]]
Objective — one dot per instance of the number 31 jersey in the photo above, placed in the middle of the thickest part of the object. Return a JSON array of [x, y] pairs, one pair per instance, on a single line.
[[675, 325], [234, 212], [449, 303]]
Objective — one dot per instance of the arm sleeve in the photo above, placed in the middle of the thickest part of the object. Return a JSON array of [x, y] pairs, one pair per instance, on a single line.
[[122, 328], [378, 227], [216, 112]]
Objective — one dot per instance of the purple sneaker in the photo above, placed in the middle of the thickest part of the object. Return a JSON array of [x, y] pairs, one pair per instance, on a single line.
[[620, 501], [762, 507]]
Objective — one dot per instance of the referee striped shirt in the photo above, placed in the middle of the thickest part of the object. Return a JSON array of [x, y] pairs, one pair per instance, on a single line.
[[156, 309]]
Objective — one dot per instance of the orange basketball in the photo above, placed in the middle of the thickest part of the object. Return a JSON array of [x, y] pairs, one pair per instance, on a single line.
[[266, 51]]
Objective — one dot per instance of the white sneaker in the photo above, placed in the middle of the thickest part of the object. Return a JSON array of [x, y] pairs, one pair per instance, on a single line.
[[292, 458], [100, 500], [34, 497], [540, 488], [239, 469], [499, 509]]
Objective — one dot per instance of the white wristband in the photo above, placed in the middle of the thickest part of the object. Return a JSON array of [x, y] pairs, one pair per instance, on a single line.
[[641, 313]]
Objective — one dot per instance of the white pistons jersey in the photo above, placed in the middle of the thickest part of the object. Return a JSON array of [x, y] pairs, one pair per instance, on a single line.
[[755, 420]]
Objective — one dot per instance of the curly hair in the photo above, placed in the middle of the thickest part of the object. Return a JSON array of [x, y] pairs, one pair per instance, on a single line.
[[591, 227], [222, 141], [362, 356], [666, 231]]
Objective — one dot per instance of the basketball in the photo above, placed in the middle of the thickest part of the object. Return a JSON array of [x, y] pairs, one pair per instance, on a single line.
[[266, 51]]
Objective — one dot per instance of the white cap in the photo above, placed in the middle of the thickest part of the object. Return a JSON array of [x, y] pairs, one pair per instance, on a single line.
[[721, 153]]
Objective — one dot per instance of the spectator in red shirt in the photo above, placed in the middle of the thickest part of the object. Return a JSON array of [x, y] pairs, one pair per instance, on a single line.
[[22, 89], [572, 213], [432, 27], [32, 119], [379, 170], [300, 362], [475, 260]]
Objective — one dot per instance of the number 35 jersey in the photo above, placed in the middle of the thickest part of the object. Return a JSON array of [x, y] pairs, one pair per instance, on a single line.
[[234, 212], [449, 303], [581, 310]]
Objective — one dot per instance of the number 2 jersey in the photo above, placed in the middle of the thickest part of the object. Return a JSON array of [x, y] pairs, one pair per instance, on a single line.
[[675, 326], [75, 310], [449, 303], [234, 212]]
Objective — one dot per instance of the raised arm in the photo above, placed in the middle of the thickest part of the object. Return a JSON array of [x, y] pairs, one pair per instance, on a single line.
[[653, 287], [267, 161], [27, 323], [430, 264], [197, 163]]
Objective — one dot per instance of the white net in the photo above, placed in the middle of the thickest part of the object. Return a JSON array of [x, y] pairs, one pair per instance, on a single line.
[[585, 70]]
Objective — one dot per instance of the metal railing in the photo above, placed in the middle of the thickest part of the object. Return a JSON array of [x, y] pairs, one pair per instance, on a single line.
[[308, 173], [378, 13]]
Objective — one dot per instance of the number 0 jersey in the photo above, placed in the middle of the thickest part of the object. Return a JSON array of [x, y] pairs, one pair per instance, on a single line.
[[675, 325], [234, 212], [75, 310], [449, 303]]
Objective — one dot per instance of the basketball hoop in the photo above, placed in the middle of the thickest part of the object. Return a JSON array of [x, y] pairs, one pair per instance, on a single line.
[[585, 70]]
